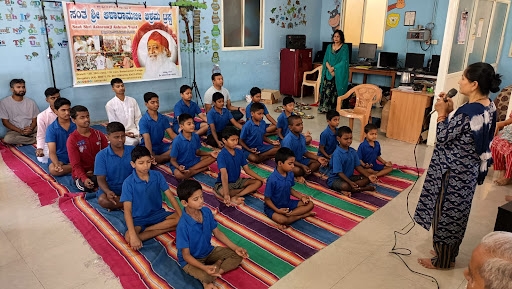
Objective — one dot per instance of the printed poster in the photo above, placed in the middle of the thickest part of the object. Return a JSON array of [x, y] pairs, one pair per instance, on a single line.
[[132, 42]]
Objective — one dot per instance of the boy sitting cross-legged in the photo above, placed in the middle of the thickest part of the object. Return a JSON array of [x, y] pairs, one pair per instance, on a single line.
[[230, 187], [342, 164], [57, 135], [369, 153], [305, 162], [282, 120], [256, 98], [186, 105], [196, 254], [219, 118], [253, 136], [328, 142], [186, 157], [153, 126], [112, 167], [278, 205], [142, 201]]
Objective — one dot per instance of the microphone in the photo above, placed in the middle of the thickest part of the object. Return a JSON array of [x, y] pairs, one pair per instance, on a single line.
[[450, 94]]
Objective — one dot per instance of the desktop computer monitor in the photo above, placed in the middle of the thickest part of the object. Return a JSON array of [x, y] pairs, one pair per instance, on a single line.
[[387, 59], [367, 50], [414, 60], [434, 64]]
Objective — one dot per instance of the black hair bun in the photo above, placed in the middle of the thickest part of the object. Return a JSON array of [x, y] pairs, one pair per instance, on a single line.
[[495, 83]]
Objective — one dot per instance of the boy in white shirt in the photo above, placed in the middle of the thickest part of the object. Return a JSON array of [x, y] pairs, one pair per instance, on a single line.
[[44, 119], [125, 110]]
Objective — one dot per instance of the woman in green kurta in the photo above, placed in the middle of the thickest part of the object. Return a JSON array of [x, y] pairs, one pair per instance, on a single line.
[[334, 72]]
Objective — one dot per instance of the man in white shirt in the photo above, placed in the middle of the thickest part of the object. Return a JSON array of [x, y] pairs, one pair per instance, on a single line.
[[125, 110], [100, 61], [19, 115], [44, 119], [218, 82], [79, 46]]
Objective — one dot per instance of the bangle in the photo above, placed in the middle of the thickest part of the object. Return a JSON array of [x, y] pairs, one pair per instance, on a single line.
[[441, 118]]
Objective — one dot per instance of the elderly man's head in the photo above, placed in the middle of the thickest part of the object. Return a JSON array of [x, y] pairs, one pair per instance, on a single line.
[[490, 266], [158, 45]]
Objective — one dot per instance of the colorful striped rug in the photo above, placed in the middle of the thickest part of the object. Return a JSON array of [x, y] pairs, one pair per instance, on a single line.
[[273, 252]]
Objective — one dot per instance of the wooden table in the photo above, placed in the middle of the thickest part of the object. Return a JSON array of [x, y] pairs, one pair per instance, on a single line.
[[407, 115], [365, 72]]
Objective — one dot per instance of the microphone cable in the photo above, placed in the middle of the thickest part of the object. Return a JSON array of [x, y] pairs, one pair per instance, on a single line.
[[398, 251]]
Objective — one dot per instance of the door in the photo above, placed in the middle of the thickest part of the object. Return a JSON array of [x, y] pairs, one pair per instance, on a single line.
[[474, 32]]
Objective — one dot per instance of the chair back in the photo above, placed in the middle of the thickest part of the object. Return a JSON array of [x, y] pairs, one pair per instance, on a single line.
[[366, 96], [318, 78], [501, 103]]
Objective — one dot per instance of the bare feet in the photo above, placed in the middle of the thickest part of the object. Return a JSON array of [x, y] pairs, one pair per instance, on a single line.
[[237, 200], [503, 181], [508, 198], [311, 214], [209, 286], [426, 262], [301, 180], [127, 237], [281, 227], [433, 253], [346, 193]]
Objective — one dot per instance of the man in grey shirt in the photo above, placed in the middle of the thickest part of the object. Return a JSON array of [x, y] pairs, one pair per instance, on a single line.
[[218, 82], [19, 115]]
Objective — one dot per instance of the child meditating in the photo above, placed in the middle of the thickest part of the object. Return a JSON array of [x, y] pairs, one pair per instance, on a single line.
[[186, 105], [342, 164], [218, 119], [278, 205], [57, 135], [328, 142], [187, 159], [230, 187], [253, 136], [282, 120], [305, 162], [369, 153], [142, 201], [153, 126], [196, 254], [256, 98]]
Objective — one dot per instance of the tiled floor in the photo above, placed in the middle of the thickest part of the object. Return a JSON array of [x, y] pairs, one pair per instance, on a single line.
[[39, 248]]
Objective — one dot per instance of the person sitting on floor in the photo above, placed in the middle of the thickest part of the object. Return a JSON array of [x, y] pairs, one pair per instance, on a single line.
[[328, 142], [256, 98], [187, 158], [369, 153], [196, 255], [253, 136], [305, 162], [112, 167], [19, 115], [219, 118], [57, 135], [230, 187], [83, 145], [282, 120], [153, 126], [218, 86], [142, 201], [278, 205], [44, 119], [186, 105], [342, 164], [125, 110]]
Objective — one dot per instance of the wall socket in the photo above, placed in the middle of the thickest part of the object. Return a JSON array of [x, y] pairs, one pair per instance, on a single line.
[[433, 41]]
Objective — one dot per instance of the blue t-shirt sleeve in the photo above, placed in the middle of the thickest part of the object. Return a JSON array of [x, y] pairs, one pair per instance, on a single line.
[[196, 142], [337, 166], [195, 108], [182, 237], [248, 111], [127, 193], [50, 134], [245, 131], [357, 161], [323, 138], [286, 143], [143, 125], [209, 117], [265, 110], [161, 182], [211, 221], [240, 155], [174, 149], [100, 164], [360, 151], [269, 188], [221, 161], [377, 144], [282, 121], [165, 122], [230, 116]]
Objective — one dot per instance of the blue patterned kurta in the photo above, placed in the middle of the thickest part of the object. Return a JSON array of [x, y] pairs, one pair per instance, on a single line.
[[462, 152]]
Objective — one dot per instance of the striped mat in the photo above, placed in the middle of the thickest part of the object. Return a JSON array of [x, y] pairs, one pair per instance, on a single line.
[[273, 252]]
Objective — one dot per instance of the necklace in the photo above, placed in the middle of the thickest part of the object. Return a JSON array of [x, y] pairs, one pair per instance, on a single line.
[[479, 99], [198, 218]]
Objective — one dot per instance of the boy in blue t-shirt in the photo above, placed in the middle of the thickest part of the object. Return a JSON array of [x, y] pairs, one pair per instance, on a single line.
[[196, 255], [253, 136], [57, 134], [112, 167], [282, 120], [278, 205], [369, 153], [256, 98], [187, 159], [305, 162], [186, 105], [342, 164], [328, 142], [142, 201], [152, 127], [218, 118], [230, 187]]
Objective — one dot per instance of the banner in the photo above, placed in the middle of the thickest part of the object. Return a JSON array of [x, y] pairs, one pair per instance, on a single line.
[[132, 42]]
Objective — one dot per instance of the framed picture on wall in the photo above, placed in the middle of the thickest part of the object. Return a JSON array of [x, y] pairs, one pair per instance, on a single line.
[[409, 18]]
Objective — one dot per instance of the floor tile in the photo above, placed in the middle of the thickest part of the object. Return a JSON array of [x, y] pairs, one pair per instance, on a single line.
[[7, 251], [17, 275], [109, 282]]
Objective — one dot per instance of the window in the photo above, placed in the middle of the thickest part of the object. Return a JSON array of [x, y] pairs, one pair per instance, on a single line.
[[251, 36], [364, 21]]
